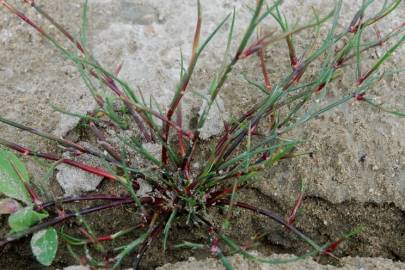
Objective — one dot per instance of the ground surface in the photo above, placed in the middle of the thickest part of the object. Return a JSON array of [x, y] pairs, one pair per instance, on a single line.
[[356, 175]]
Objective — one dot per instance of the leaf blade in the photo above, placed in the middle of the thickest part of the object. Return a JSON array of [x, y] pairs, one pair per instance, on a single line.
[[13, 174], [24, 218], [44, 245]]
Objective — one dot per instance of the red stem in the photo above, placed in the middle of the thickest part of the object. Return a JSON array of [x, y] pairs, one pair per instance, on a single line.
[[271, 215], [90, 197], [179, 120], [50, 156], [182, 89], [294, 211], [103, 142], [264, 69]]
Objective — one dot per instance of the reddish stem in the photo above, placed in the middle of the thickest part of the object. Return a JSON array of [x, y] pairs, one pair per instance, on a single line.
[[291, 52], [271, 215], [87, 235], [182, 89], [105, 238], [24, 18], [266, 78], [90, 197], [58, 26], [291, 218], [255, 47], [103, 142], [332, 247], [179, 121], [34, 196], [360, 97], [50, 156]]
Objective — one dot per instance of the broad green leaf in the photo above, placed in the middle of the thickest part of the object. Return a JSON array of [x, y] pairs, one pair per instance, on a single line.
[[24, 218], [44, 245], [12, 175]]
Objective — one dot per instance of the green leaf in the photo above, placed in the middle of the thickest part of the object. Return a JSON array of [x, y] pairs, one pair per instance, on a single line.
[[190, 245], [71, 240], [167, 228], [44, 245], [24, 218], [129, 248], [225, 262], [13, 174], [236, 248]]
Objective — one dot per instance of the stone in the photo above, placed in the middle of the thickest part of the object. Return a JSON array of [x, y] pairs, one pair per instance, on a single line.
[[240, 263], [75, 181]]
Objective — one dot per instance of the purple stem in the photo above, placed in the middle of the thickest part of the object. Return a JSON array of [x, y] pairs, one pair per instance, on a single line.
[[66, 216]]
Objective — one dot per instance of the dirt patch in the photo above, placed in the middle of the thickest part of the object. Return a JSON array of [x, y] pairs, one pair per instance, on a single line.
[[382, 234]]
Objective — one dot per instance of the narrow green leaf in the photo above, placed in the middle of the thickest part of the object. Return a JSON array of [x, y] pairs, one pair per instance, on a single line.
[[167, 228], [225, 262], [190, 245], [129, 249], [71, 240], [85, 25], [386, 55], [12, 175], [358, 53], [259, 86], [44, 245], [77, 115], [236, 248], [284, 151], [380, 107], [211, 36], [383, 12]]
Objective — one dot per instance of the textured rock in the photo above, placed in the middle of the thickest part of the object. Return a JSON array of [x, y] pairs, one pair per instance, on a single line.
[[74, 181], [76, 267], [358, 150], [147, 38], [239, 263], [215, 119], [34, 76]]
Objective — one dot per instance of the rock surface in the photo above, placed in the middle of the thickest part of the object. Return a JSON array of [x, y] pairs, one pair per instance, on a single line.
[[358, 150], [239, 263], [34, 76], [74, 181]]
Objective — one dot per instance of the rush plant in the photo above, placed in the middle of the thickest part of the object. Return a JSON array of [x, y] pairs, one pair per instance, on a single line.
[[243, 150]]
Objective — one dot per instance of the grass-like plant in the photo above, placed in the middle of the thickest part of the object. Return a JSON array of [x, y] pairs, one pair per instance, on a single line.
[[243, 150]]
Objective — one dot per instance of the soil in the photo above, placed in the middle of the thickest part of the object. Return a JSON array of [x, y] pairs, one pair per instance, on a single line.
[[382, 236], [355, 177]]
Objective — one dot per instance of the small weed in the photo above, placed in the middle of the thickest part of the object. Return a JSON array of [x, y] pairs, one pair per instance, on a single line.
[[242, 151]]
